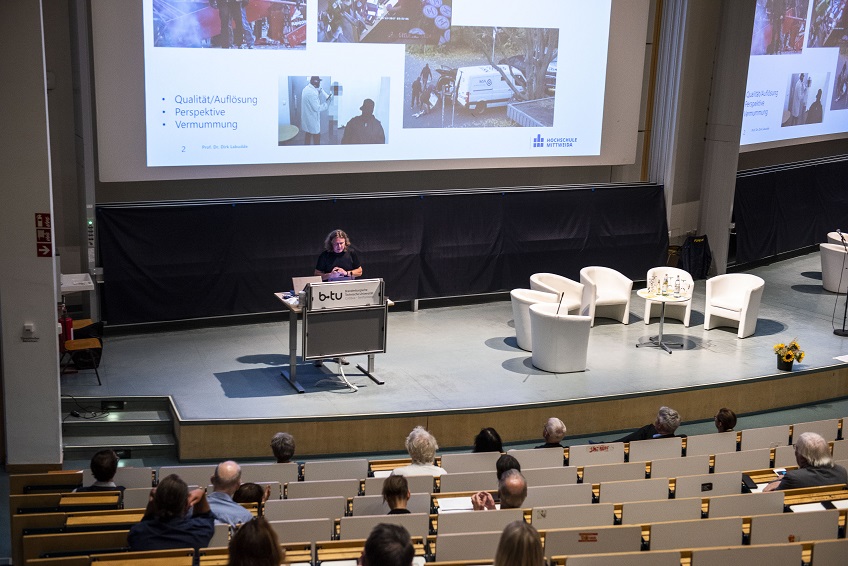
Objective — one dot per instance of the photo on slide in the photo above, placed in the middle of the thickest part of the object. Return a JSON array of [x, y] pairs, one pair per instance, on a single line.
[[423, 22], [779, 27], [485, 77], [803, 103], [230, 24], [840, 86], [325, 110], [827, 23]]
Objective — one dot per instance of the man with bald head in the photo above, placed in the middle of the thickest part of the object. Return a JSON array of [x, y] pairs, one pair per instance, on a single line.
[[225, 482], [512, 491]]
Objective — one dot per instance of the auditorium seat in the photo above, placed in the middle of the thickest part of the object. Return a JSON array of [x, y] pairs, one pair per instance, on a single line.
[[374, 504], [568, 292], [708, 485], [558, 495], [469, 481], [621, 538], [680, 310], [416, 484], [538, 457], [322, 488], [321, 470], [521, 300], [606, 294], [830, 552], [828, 429], [656, 558], [773, 555], [642, 512], [127, 477], [589, 454], [655, 449], [221, 536], [746, 504], [764, 437], [674, 467], [614, 472], [715, 443], [563, 475], [733, 299], [467, 546], [784, 457], [303, 530], [470, 462], [172, 557], [795, 527], [743, 461], [306, 508], [840, 450], [351, 528], [283, 473], [635, 490], [478, 522], [136, 497], [199, 475], [700, 533], [546, 517]]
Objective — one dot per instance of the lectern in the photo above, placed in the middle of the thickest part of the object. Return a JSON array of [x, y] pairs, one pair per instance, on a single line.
[[340, 318]]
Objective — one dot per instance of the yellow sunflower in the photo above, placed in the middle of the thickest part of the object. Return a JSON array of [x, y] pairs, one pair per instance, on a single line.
[[778, 347], [788, 357]]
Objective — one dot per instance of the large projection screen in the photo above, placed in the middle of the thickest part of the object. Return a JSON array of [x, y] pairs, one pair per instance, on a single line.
[[797, 89], [172, 103]]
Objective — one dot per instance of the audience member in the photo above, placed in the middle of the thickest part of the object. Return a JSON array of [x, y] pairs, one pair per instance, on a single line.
[[815, 466], [396, 494], [104, 466], [488, 440], [282, 444], [553, 433], [167, 523], [422, 447], [520, 545], [255, 544], [512, 491], [725, 420], [225, 482], [664, 426], [252, 493], [387, 545], [506, 462]]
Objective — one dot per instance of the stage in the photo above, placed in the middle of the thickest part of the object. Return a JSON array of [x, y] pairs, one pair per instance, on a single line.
[[456, 369]]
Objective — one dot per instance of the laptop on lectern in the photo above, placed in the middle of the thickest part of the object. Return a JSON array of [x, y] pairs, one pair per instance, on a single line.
[[298, 283]]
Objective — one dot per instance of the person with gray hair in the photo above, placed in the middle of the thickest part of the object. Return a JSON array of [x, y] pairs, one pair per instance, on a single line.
[[553, 433], [815, 466], [225, 482], [663, 426], [512, 491], [422, 447], [282, 444]]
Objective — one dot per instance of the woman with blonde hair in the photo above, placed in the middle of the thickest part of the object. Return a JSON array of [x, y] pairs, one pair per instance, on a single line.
[[520, 545]]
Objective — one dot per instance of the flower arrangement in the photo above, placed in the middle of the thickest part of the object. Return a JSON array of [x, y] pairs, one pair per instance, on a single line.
[[789, 352]]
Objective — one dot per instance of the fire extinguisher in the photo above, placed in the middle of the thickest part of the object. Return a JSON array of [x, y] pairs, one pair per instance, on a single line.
[[66, 323]]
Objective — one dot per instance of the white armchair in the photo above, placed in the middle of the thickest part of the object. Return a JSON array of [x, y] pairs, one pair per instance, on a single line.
[[834, 266], [570, 292], [835, 238], [679, 311], [521, 300], [560, 341], [606, 293], [733, 298]]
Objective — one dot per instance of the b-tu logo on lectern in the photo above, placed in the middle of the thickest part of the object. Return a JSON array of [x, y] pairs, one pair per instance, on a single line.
[[331, 296]]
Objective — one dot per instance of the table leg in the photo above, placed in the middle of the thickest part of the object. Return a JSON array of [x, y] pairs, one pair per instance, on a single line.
[[370, 371], [291, 374]]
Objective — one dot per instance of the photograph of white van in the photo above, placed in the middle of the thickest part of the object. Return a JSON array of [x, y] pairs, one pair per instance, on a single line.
[[483, 86]]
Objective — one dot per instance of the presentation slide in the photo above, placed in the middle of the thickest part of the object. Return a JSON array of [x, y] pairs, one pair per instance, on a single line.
[[798, 73], [230, 82]]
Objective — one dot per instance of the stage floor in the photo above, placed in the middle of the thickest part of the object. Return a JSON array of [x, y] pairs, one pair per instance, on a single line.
[[465, 358]]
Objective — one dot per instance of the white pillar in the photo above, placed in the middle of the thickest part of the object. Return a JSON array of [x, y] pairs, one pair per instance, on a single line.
[[30, 369]]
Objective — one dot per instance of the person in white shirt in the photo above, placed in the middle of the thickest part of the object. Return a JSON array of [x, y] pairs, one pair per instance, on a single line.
[[422, 447]]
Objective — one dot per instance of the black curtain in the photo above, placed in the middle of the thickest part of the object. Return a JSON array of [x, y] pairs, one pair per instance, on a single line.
[[780, 210], [182, 261]]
